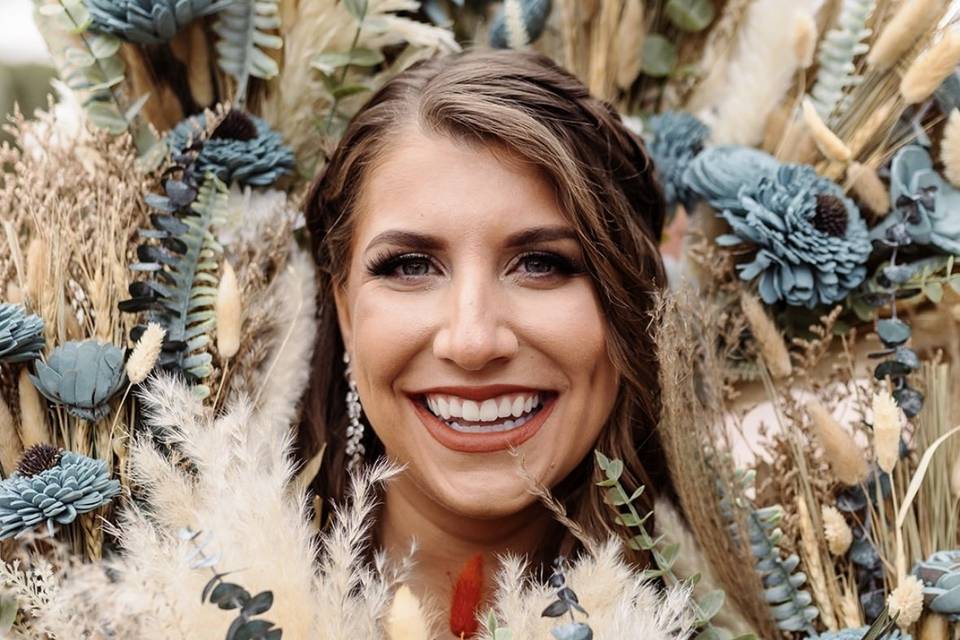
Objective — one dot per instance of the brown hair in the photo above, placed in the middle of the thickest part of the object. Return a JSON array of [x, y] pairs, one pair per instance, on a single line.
[[526, 104]]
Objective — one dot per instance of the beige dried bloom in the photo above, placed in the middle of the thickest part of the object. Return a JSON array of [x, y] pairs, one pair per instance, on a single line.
[[836, 531], [887, 424], [868, 187], [405, 620], [33, 416], [827, 141], [145, 353], [804, 38], [38, 257], [950, 148], [839, 448], [773, 349], [905, 603], [931, 68], [228, 313], [14, 294], [909, 22]]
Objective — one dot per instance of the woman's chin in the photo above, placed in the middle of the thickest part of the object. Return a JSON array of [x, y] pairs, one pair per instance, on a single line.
[[483, 495]]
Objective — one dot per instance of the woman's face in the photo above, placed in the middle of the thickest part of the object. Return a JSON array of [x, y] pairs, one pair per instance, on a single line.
[[472, 326]]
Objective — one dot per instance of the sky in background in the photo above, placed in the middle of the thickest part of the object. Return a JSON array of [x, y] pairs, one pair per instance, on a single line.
[[19, 39]]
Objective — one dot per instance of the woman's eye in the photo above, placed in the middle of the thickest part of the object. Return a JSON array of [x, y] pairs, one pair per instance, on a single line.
[[403, 266], [413, 267], [544, 265], [538, 264]]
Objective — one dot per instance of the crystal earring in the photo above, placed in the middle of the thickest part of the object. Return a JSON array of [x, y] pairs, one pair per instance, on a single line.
[[355, 429]]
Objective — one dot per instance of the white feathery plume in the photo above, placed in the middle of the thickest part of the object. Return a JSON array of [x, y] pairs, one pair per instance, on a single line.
[[905, 603], [517, 35], [950, 148], [908, 23], [931, 68], [805, 39], [145, 353], [887, 424], [756, 82], [229, 313], [406, 620]]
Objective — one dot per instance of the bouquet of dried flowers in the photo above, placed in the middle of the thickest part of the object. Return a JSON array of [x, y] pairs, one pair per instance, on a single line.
[[154, 308]]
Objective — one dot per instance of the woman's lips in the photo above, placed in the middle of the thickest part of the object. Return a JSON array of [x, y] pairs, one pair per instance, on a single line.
[[482, 442]]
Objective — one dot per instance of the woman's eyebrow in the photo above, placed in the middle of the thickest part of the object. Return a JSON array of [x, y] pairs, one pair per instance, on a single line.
[[426, 242]]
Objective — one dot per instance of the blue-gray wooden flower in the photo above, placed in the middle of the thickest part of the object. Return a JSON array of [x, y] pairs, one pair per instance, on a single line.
[[940, 574], [858, 633], [674, 139], [810, 242], [21, 334], [242, 148], [81, 376], [935, 203], [518, 23], [75, 484], [148, 21]]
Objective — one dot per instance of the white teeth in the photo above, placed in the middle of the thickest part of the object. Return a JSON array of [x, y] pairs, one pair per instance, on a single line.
[[506, 425], [488, 410], [503, 407], [471, 410], [456, 407], [516, 410]]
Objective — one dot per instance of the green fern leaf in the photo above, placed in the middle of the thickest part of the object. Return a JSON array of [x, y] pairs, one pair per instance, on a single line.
[[243, 28]]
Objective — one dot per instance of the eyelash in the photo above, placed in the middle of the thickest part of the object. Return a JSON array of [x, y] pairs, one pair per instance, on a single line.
[[387, 262]]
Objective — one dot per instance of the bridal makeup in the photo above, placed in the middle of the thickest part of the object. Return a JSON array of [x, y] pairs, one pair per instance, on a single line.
[[476, 336]]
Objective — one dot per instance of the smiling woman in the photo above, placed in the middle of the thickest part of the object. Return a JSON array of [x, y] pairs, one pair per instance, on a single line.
[[486, 234]]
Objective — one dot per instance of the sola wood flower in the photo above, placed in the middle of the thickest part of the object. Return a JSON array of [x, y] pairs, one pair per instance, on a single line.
[[82, 376], [856, 634], [674, 140], [148, 21], [21, 335], [940, 574], [52, 487], [811, 243], [242, 148], [905, 603]]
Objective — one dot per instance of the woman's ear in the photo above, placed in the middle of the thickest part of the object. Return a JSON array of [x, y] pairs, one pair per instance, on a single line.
[[343, 315]]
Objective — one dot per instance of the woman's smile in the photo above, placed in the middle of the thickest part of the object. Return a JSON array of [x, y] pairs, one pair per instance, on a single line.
[[483, 419]]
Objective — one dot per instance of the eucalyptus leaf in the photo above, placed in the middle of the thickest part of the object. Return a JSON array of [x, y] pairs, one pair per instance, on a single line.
[[555, 609], [690, 15], [934, 291], [8, 613], [659, 56], [572, 631], [348, 90], [228, 595], [102, 46], [893, 331], [258, 604], [357, 8], [711, 604], [329, 61], [78, 57]]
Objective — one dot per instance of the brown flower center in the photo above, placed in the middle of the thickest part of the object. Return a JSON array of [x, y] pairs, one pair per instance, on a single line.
[[38, 459], [831, 216], [236, 125]]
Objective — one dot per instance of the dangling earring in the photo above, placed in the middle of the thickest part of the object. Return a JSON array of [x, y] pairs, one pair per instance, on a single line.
[[355, 429]]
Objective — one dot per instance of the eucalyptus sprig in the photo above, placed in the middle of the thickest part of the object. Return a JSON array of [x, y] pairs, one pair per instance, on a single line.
[[231, 596], [664, 554], [566, 602]]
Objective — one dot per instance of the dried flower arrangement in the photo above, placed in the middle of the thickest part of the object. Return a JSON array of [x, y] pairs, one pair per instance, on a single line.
[[155, 309]]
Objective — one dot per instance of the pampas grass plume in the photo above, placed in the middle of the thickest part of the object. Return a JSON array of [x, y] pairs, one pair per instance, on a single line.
[[840, 449], [906, 601], [827, 141], [887, 424], [405, 620], [931, 68], [804, 38], [145, 353], [868, 187], [10, 447], [228, 313], [950, 148], [37, 258], [772, 347], [33, 423], [836, 531], [907, 24], [516, 28]]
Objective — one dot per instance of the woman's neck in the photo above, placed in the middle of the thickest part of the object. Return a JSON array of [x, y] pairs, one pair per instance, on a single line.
[[445, 541]]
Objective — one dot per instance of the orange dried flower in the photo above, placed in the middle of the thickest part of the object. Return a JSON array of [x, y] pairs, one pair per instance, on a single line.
[[466, 598]]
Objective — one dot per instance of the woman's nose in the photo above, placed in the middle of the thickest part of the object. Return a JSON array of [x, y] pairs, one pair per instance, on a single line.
[[475, 331]]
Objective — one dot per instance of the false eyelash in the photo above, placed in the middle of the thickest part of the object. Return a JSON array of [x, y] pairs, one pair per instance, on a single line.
[[386, 261]]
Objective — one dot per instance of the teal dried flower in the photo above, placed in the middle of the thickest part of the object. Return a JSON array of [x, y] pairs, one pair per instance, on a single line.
[[21, 335], [82, 376], [148, 21], [858, 633], [519, 23], [717, 174], [70, 484], [242, 148], [940, 574], [674, 140], [934, 202], [811, 243]]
